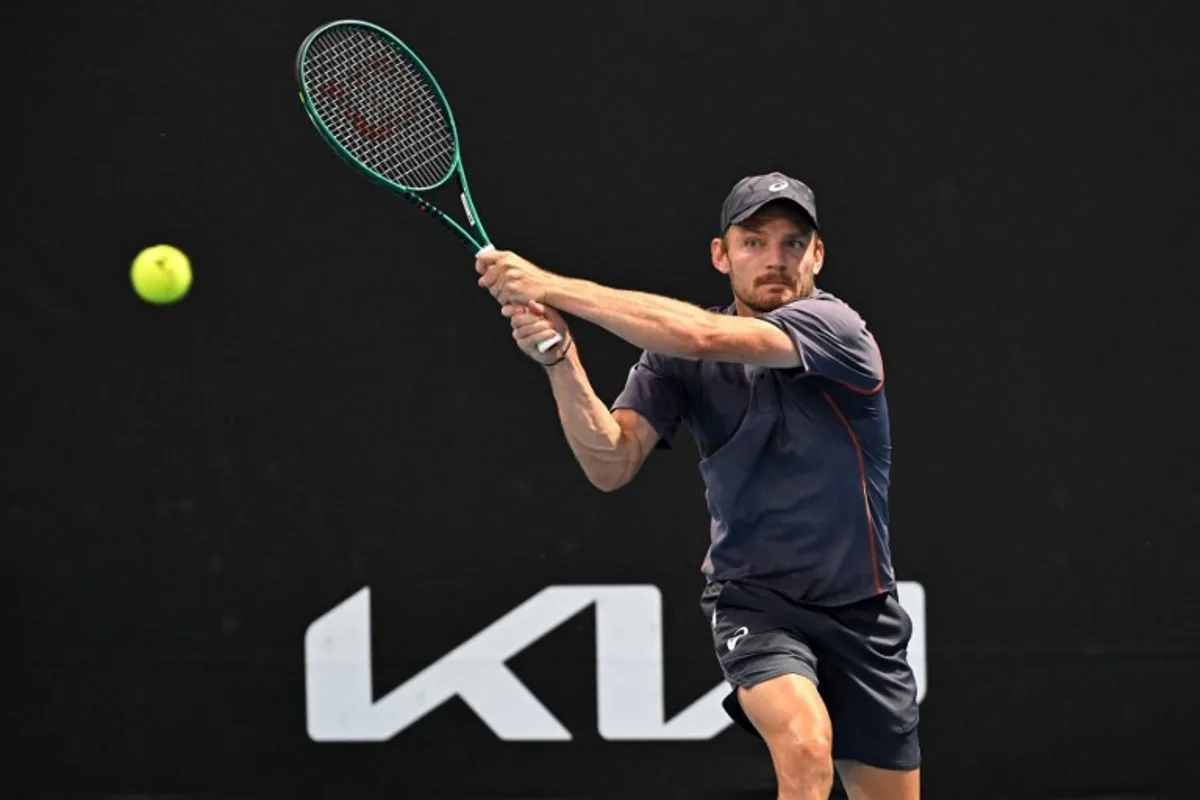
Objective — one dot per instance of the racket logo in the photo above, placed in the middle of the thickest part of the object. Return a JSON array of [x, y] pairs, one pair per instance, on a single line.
[[336, 93], [777, 186], [377, 73]]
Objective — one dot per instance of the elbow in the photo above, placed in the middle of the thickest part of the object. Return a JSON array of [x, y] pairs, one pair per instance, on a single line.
[[607, 477], [607, 483], [703, 341], [614, 466]]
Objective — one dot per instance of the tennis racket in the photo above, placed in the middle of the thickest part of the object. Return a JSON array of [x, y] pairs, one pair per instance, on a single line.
[[379, 107]]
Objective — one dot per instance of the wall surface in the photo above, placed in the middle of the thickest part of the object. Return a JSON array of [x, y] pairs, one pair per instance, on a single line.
[[1008, 196]]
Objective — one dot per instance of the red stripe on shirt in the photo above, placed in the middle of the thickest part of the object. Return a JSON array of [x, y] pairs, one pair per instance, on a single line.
[[862, 474]]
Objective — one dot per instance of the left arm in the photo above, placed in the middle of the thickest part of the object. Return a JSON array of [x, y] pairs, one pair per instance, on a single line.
[[673, 327], [651, 322]]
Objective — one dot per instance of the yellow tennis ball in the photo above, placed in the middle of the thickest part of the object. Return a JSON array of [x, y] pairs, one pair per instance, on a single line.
[[161, 274]]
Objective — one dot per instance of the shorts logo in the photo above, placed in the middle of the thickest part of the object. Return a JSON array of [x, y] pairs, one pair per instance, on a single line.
[[737, 637]]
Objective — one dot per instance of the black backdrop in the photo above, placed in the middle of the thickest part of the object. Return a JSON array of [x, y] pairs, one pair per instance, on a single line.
[[1008, 196]]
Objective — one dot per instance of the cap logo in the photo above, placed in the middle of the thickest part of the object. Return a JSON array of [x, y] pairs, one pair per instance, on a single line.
[[777, 186]]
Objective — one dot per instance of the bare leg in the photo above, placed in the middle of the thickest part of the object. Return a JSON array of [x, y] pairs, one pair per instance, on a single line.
[[863, 782], [793, 721]]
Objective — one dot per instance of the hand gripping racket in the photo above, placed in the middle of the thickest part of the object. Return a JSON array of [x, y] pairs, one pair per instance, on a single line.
[[378, 106]]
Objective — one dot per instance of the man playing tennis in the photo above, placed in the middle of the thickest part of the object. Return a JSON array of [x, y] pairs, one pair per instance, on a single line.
[[783, 391]]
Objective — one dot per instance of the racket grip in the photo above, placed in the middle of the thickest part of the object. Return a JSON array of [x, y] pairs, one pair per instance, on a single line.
[[544, 346]]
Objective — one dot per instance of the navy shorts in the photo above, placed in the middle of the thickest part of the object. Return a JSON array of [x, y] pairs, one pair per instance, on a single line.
[[856, 654]]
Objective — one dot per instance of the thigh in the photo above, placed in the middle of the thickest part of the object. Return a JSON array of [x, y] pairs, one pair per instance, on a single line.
[[786, 709], [755, 645], [867, 683]]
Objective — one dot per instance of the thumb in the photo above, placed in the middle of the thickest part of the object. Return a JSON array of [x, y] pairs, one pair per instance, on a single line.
[[546, 313]]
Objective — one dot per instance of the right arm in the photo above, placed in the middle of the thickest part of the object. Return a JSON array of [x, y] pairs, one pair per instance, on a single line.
[[610, 446]]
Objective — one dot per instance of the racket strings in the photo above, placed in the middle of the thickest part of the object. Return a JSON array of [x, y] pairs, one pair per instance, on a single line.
[[379, 107], [429, 129], [401, 116]]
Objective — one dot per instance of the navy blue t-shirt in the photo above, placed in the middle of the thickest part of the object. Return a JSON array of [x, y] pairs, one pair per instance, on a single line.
[[795, 461]]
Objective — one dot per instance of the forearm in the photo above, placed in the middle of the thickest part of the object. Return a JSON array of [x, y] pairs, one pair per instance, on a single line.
[[651, 322], [589, 427]]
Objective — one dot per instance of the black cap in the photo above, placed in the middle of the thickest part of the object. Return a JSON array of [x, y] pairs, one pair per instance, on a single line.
[[752, 193]]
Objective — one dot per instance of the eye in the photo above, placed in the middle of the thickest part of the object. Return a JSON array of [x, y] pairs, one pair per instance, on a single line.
[[798, 244], [753, 242]]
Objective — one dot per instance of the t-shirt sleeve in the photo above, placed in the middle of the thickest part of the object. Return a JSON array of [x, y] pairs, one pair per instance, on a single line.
[[653, 389], [832, 340]]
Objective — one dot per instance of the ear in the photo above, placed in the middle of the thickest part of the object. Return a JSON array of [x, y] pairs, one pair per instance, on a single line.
[[720, 256], [818, 254]]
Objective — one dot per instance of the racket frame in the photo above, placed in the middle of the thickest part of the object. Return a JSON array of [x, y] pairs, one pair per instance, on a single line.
[[473, 235]]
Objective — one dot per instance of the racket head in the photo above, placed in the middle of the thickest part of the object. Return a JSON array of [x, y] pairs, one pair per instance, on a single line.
[[377, 105]]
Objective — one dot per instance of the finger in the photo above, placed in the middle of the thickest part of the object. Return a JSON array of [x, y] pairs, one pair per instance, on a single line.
[[496, 273], [527, 319], [543, 310], [527, 343], [531, 329], [530, 343], [519, 313], [485, 260], [528, 323]]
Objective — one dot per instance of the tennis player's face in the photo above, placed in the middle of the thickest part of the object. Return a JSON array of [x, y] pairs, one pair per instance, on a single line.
[[771, 259]]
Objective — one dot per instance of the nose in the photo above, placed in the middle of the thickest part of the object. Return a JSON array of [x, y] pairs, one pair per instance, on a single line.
[[778, 257]]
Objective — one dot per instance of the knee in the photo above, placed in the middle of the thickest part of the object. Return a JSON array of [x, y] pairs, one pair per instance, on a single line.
[[806, 754]]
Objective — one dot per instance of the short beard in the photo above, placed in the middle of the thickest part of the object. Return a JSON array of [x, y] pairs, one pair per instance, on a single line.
[[804, 288]]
